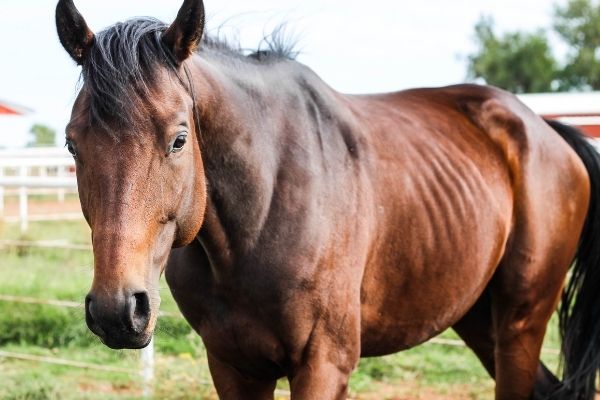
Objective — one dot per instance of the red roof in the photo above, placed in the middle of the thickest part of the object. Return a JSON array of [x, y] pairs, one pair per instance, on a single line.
[[7, 108], [579, 109]]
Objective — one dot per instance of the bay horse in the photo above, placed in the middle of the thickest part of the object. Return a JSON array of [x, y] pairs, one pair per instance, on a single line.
[[300, 228]]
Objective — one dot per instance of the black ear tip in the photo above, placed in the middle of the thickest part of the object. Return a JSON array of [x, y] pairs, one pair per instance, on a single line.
[[185, 33], [65, 6], [73, 32]]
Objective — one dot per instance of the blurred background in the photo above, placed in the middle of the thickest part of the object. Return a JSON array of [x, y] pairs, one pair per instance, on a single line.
[[546, 51]]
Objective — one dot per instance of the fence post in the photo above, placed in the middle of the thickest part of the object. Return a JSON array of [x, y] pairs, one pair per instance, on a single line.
[[61, 192], [23, 212], [1, 194], [147, 372]]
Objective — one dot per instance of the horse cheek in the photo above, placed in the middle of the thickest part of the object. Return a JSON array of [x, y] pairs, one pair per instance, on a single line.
[[191, 215]]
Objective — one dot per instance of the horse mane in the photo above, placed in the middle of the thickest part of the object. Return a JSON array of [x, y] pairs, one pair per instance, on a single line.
[[121, 66]]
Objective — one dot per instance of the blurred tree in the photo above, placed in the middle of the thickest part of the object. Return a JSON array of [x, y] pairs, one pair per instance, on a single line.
[[518, 62], [42, 135], [523, 62], [578, 24]]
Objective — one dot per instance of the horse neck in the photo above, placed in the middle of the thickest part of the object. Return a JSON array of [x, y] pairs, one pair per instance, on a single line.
[[247, 114]]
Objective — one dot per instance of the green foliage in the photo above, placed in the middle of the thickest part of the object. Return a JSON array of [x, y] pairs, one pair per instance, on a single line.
[[524, 62], [518, 62], [42, 326], [69, 277], [578, 23], [25, 380], [36, 390], [42, 135]]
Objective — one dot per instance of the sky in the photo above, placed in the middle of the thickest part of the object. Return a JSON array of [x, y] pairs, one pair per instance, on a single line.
[[355, 46]]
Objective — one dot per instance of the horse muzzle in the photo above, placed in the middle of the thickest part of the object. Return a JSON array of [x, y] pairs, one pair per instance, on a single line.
[[120, 321]]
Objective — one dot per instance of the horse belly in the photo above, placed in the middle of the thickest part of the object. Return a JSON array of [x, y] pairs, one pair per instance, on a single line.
[[412, 312], [433, 266]]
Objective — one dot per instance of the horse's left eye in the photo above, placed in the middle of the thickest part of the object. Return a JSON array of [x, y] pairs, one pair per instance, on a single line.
[[178, 143], [71, 148]]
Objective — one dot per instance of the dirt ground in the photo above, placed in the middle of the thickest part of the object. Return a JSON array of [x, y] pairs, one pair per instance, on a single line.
[[405, 390]]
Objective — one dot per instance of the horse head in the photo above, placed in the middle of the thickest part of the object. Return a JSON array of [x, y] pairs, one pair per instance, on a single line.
[[134, 133]]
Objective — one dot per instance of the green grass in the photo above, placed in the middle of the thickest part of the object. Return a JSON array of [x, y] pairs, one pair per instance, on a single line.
[[181, 369], [64, 275], [445, 369], [61, 332], [177, 377]]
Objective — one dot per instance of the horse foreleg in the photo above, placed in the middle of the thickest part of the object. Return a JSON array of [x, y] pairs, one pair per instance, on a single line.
[[231, 385], [326, 362], [320, 379]]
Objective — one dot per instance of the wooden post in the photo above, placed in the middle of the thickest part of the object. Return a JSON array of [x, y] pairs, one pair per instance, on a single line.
[[1, 193], [61, 191], [147, 372], [23, 212]]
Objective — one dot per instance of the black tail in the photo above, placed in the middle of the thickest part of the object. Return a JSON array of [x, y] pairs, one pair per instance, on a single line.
[[579, 313]]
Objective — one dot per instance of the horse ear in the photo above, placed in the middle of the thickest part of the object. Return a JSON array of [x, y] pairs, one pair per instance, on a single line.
[[185, 33], [73, 32]]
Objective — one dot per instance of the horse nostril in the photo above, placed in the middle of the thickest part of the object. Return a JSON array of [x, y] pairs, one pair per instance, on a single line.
[[90, 318], [140, 311], [88, 309]]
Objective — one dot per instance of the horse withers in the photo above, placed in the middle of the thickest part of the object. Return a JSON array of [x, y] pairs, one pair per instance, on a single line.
[[300, 228]]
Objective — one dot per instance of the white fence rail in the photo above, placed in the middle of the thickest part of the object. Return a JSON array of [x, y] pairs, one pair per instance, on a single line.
[[35, 168], [46, 161], [39, 182], [34, 152]]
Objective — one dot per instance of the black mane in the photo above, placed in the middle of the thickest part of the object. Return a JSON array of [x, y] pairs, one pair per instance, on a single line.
[[121, 66]]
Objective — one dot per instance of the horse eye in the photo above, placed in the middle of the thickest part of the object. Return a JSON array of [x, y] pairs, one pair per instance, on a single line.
[[178, 143], [71, 148]]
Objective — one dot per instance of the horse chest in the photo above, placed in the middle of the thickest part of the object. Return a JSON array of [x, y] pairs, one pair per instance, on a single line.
[[236, 335], [234, 328]]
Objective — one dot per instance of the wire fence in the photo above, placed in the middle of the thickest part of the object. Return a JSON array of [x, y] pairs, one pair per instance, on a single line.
[[74, 304], [146, 370], [146, 355], [62, 361]]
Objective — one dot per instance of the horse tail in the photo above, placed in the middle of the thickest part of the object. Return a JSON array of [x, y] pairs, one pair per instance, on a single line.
[[579, 313]]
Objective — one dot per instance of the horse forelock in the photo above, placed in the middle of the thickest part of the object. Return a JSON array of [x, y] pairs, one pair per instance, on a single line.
[[121, 69]]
